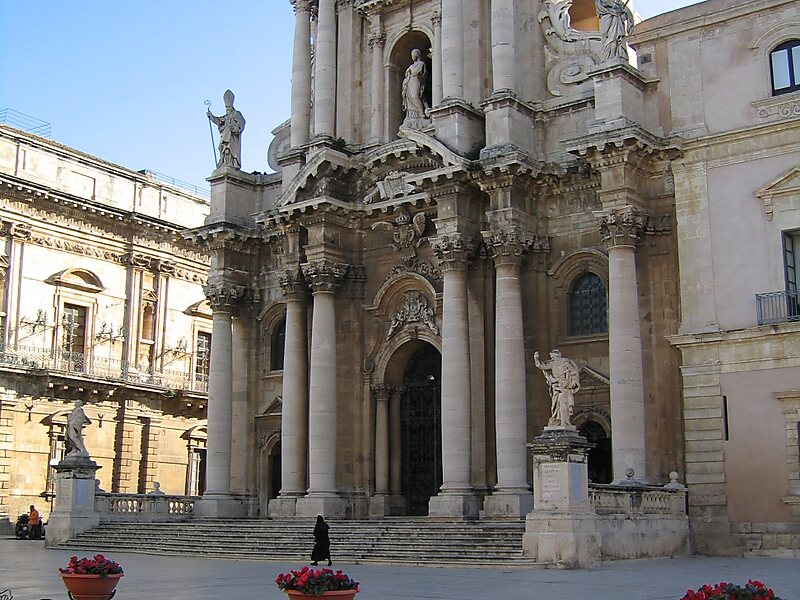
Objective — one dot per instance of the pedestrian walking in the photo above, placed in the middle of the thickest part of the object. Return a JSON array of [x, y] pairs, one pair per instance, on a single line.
[[322, 543]]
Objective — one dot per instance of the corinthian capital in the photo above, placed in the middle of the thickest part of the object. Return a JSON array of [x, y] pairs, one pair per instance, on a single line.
[[510, 244], [324, 275], [293, 283], [224, 296], [301, 6], [620, 226], [376, 38], [453, 250]]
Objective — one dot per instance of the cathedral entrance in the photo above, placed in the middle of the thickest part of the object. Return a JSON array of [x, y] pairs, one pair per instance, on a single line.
[[421, 430], [599, 459]]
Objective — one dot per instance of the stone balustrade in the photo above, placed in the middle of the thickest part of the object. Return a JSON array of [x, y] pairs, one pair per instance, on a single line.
[[147, 508], [608, 500]]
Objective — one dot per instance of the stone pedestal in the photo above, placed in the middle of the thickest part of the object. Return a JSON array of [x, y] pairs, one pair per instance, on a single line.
[[507, 505], [509, 125], [459, 126], [74, 511], [231, 196], [221, 506], [328, 506], [619, 91], [386, 505], [454, 506], [562, 529], [283, 507]]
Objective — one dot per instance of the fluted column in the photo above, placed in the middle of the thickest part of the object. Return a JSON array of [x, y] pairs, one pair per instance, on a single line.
[[381, 394], [325, 70], [457, 491], [436, 66], [323, 278], [216, 500], [452, 55], [376, 41], [294, 415], [512, 495], [301, 73], [503, 46], [620, 230]]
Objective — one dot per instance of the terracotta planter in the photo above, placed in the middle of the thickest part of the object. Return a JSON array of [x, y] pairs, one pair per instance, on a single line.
[[90, 587], [338, 594]]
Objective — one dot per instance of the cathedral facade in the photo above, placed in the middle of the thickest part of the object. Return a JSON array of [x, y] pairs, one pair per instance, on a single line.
[[465, 183]]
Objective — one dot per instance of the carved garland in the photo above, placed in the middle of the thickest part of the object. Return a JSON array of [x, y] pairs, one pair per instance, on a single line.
[[416, 309]]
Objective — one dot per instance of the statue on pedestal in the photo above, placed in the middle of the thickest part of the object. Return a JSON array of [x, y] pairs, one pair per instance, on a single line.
[[76, 421], [230, 125], [413, 91], [616, 24], [563, 378]]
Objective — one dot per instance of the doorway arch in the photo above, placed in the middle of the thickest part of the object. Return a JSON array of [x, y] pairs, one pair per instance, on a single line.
[[421, 429]]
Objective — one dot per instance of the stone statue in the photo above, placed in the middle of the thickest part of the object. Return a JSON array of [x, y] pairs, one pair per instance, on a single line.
[[413, 91], [230, 125], [563, 378], [616, 24], [76, 421]]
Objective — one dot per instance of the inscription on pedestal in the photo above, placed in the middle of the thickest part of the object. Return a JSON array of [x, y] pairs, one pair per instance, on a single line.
[[82, 489], [64, 493], [551, 483]]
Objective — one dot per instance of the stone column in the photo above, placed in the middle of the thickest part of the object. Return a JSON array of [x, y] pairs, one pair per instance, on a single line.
[[457, 498], [301, 73], [376, 41], [395, 444], [325, 70], [511, 497], [324, 278], [436, 67], [294, 414], [379, 504], [452, 54], [503, 46], [218, 500], [620, 230]]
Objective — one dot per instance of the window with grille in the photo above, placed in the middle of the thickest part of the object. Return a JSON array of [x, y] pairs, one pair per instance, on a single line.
[[277, 346], [587, 306], [202, 356], [785, 67]]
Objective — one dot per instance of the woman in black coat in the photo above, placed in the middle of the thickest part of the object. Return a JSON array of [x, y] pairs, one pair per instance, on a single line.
[[322, 543]]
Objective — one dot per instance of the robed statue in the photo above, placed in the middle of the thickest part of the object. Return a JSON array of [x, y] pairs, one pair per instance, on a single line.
[[76, 421], [413, 91], [230, 125], [563, 379], [616, 24]]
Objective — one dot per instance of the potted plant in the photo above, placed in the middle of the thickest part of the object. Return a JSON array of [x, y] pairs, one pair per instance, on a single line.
[[91, 578], [310, 583], [753, 590]]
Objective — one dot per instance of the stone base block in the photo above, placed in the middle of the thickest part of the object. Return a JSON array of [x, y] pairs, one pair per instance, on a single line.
[[328, 506], [282, 507], [221, 505], [6, 526], [454, 506], [509, 124], [62, 527], [504, 505], [386, 505], [459, 126], [569, 541]]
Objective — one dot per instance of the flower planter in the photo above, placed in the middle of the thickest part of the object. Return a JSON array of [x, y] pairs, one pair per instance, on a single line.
[[338, 594], [90, 587]]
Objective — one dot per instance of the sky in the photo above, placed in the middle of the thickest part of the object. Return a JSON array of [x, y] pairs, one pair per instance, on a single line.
[[126, 80]]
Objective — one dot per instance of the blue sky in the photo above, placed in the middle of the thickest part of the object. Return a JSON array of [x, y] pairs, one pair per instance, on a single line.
[[126, 81]]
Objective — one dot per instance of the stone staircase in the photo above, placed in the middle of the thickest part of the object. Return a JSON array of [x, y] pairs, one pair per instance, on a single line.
[[397, 541]]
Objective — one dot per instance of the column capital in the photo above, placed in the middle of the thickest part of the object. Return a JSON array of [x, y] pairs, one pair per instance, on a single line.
[[293, 284], [324, 275], [508, 245], [376, 39], [436, 18], [620, 226], [301, 6], [382, 392], [453, 250], [224, 296]]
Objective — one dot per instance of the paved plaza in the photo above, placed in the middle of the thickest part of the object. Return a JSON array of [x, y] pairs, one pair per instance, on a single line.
[[31, 572]]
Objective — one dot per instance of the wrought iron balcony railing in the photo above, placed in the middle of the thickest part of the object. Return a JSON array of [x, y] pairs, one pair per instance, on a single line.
[[98, 367], [778, 307]]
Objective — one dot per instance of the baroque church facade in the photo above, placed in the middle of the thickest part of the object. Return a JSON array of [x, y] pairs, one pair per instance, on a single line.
[[465, 183]]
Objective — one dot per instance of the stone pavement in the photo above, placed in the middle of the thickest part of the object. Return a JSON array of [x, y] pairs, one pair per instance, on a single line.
[[31, 572]]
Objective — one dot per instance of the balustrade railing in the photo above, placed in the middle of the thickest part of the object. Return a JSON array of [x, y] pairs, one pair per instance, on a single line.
[[99, 367], [636, 501], [144, 507], [778, 307]]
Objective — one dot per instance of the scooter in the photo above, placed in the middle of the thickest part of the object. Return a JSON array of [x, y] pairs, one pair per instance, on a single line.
[[22, 529]]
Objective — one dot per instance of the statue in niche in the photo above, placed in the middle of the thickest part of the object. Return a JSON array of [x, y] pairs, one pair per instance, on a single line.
[[616, 24], [413, 91], [230, 125], [563, 378], [76, 421]]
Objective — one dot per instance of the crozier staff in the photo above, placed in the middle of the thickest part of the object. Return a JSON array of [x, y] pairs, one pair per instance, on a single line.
[[230, 125]]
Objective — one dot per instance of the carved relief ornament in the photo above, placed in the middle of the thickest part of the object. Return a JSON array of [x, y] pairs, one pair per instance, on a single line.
[[223, 296], [510, 245], [406, 232], [324, 275], [292, 283], [415, 309], [620, 227], [453, 250]]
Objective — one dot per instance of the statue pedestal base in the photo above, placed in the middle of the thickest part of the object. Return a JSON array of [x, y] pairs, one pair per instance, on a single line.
[[509, 124], [458, 125], [562, 529], [74, 511]]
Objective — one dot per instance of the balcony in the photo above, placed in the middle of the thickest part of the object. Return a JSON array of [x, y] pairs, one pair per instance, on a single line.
[[778, 307], [99, 368]]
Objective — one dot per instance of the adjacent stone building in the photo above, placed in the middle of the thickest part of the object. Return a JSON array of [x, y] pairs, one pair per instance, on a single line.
[[100, 299]]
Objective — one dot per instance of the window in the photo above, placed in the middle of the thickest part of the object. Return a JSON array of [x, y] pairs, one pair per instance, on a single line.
[[277, 346], [73, 338], [202, 357], [791, 248], [785, 67], [587, 306]]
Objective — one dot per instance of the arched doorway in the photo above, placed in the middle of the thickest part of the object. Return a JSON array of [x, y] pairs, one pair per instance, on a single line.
[[421, 429], [600, 468], [399, 61]]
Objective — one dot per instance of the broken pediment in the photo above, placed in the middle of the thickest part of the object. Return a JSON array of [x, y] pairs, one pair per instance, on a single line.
[[784, 188]]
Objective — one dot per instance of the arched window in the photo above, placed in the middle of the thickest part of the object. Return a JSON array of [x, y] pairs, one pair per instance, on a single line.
[[587, 306], [784, 64], [278, 342]]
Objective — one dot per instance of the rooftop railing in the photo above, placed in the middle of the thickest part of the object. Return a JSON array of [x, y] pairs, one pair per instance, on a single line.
[[778, 307]]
